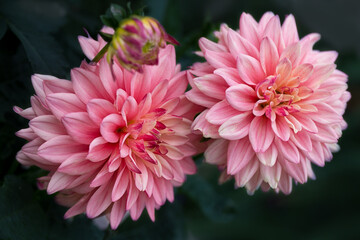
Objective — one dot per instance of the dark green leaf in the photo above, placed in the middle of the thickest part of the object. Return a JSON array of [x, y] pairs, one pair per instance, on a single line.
[[20, 216], [213, 205], [32, 27], [169, 225], [3, 28], [117, 12]]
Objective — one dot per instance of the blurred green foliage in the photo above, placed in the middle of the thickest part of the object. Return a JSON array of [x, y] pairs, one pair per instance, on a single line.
[[40, 36]]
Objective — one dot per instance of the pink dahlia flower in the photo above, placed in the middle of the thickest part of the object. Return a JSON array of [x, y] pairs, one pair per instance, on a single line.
[[274, 105], [112, 141]]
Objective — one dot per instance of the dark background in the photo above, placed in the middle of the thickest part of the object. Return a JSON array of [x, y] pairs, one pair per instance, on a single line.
[[40, 36]]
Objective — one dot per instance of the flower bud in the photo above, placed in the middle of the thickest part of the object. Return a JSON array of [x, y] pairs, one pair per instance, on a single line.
[[137, 42]]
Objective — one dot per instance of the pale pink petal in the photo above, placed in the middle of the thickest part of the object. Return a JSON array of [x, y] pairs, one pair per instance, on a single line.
[[230, 75], [273, 31], [281, 128], [289, 30], [236, 127], [269, 56], [216, 153], [64, 103], [47, 127], [80, 127], [250, 69], [99, 149], [248, 29], [59, 148], [268, 157], [219, 60], [238, 156], [260, 134], [99, 201], [221, 112], [110, 127], [98, 109], [211, 85], [239, 44], [241, 97]]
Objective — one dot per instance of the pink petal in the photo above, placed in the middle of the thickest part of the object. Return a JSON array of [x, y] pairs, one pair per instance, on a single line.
[[59, 181], [288, 150], [302, 140], [326, 134], [47, 127], [250, 70], [281, 128], [268, 157], [208, 130], [77, 164], [211, 85], [99, 149], [292, 53], [199, 98], [64, 103], [220, 112], [87, 85], [133, 194], [27, 133], [89, 46], [317, 154], [271, 175], [98, 109], [216, 153], [177, 85], [99, 201], [264, 21], [319, 75], [55, 85], [130, 108], [273, 31], [60, 148], [106, 78], [159, 93], [80, 127], [117, 213], [248, 29], [260, 134], [269, 56], [285, 183], [236, 127], [238, 156], [241, 97], [289, 30], [238, 44], [25, 113], [230, 75], [78, 208], [219, 59], [205, 44], [243, 176], [306, 122], [325, 114], [110, 126], [303, 71], [284, 69], [296, 170], [121, 185]]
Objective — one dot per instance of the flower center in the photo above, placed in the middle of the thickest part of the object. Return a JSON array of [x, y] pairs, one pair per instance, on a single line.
[[144, 137], [276, 100]]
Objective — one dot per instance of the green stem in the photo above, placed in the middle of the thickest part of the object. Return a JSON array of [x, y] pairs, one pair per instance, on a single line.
[[101, 53]]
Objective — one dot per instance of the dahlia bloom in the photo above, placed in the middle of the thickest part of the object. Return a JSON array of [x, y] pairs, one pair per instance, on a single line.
[[137, 41], [113, 141], [274, 105]]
